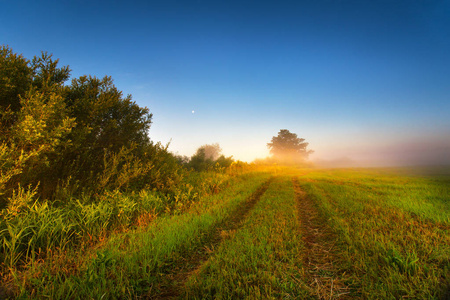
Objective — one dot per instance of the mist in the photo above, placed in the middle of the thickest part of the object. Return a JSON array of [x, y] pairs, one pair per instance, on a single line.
[[414, 153]]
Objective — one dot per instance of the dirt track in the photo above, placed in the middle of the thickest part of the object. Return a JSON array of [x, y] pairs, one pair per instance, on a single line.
[[172, 286], [318, 258]]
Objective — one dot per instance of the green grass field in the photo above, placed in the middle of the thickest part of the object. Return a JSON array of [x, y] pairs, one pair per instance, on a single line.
[[278, 234], [392, 230]]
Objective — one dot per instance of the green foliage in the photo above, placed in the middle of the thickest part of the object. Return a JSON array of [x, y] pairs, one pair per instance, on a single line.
[[83, 152], [200, 162], [15, 78], [390, 237], [207, 157], [34, 120], [119, 170], [28, 226], [47, 76], [165, 173], [224, 162], [85, 134], [11, 164], [128, 262], [105, 119], [29, 229], [110, 134], [34, 140]]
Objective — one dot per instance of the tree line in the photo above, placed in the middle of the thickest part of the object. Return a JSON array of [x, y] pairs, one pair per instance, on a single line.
[[84, 136], [81, 134]]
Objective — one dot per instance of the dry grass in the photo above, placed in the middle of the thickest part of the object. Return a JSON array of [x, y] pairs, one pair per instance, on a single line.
[[319, 256]]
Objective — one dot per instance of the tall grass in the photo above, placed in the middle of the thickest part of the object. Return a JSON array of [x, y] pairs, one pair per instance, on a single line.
[[391, 230], [130, 264], [30, 228]]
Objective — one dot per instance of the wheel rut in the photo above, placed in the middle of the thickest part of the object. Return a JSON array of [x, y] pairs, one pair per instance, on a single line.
[[171, 285], [319, 257]]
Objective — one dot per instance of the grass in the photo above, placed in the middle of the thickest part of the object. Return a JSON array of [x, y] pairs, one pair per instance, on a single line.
[[372, 233], [260, 260], [28, 224], [394, 230], [131, 264]]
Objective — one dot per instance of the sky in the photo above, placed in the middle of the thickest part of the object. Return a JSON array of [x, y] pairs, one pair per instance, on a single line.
[[362, 81]]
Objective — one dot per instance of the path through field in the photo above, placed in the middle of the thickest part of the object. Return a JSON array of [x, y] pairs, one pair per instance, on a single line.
[[172, 285], [334, 234], [261, 259], [319, 257], [317, 274]]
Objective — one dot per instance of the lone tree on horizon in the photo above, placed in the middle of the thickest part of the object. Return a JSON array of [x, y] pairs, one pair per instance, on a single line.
[[287, 147]]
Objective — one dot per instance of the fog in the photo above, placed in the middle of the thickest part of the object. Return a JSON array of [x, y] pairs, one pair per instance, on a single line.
[[415, 153]]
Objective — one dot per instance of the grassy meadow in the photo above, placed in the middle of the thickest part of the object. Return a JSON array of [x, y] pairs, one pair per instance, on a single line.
[[91, 207], [277, 233], [392, 230]]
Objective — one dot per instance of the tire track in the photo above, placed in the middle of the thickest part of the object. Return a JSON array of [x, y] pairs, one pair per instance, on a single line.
[[172, 284], [319, 257]]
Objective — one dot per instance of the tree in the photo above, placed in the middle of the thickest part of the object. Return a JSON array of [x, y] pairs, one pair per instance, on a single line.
[[34, 122], [15, 78], [105, 119], [212, 151], [51, 132], [106, 122], [18, 75], [287, 147], [207, 156]]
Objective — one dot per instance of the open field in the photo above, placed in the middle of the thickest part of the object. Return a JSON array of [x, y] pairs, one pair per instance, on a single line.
[[278, 234], [392, 231]]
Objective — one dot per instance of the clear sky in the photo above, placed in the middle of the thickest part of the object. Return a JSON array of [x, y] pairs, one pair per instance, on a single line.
[[365, 80]]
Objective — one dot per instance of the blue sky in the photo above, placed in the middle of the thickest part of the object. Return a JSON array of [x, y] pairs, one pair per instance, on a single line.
[[367, 80]]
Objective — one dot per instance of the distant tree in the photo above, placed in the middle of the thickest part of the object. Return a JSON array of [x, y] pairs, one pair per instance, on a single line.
[[207, 156], [199, 162], [212, 151], [224, 162], [182, 159], [287, 147]]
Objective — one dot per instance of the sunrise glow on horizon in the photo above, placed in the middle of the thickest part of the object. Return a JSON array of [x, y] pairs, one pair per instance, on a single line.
[[363, 82]]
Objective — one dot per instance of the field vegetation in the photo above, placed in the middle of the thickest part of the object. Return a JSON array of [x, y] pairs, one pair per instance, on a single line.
[[282, 233], [92, 208], [393, 229]]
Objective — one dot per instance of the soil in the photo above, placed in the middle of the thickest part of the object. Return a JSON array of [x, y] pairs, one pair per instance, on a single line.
[[320, 255]]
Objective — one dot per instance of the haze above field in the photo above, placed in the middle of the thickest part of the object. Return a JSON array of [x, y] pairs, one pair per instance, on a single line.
[[364, 82]]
